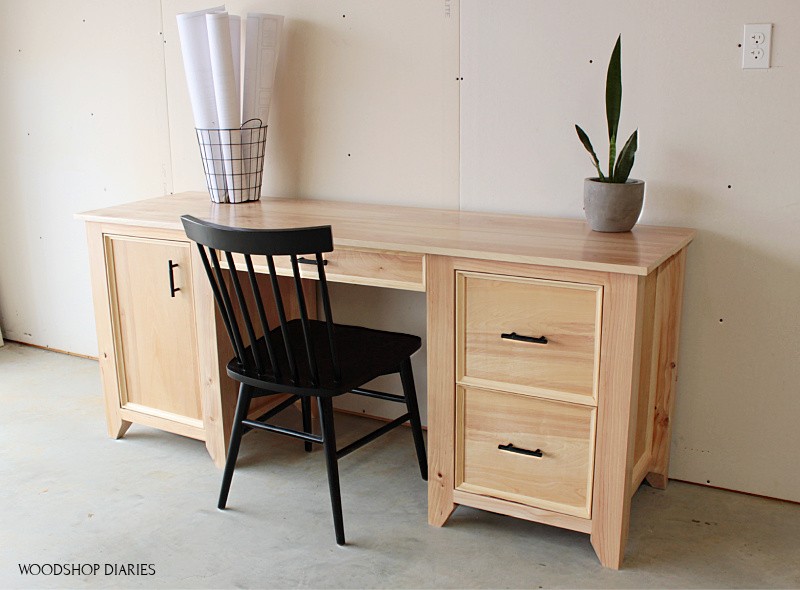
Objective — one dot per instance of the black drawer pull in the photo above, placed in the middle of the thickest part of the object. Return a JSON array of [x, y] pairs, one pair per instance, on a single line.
[[511, 448], [304, 260], [520, 338], [172, 288]]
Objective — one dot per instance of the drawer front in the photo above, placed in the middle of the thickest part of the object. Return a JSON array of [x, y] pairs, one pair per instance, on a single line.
[[529, 335], [373, 267], [397, 270], [525, 449]]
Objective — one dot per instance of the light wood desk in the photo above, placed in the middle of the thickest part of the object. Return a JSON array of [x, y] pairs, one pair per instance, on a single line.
[[559, 430]]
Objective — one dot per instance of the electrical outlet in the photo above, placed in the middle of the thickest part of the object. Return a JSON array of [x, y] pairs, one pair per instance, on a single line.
[[756, 46]]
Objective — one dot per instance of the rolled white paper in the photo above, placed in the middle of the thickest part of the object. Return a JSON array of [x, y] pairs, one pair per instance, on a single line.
[[227, 99]]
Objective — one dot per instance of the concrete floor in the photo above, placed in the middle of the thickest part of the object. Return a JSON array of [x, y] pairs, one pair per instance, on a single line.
[[71, 495]]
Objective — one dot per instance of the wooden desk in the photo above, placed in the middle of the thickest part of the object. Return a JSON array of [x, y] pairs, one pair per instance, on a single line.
[[560, 432]]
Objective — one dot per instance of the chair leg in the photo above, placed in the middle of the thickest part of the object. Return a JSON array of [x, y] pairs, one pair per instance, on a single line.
[[329, 444], [305, 405], [410, 392], [242, 407]]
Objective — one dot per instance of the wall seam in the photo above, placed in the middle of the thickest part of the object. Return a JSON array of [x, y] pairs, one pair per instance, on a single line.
[[169, 183]]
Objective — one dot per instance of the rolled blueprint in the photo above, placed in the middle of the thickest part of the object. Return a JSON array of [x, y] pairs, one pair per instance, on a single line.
[[193, 34], [262, 41], [227, 99]]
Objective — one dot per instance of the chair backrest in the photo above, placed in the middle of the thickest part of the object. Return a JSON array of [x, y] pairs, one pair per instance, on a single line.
[[219, 241]]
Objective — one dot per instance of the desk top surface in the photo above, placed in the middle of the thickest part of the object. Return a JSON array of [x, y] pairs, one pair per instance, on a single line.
[[488, 236]]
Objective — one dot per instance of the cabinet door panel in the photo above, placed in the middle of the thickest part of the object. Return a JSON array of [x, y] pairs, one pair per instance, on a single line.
[[154, 327]]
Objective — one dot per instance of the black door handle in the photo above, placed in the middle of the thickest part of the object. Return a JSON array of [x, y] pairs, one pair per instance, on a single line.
[[172, 288], [512, 449], [304, 260], [520, 338]]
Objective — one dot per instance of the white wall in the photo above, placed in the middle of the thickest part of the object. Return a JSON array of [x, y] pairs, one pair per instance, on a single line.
[[83, 126], [718, 150], [365, 106], [109, 122]]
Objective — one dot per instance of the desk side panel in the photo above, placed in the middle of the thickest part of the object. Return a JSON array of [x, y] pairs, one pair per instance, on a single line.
[[669, 305], [105, 332], [642, 453]]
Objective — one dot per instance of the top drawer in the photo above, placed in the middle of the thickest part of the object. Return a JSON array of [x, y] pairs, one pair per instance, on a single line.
[[398, 270], [530, 336], [380, 268]]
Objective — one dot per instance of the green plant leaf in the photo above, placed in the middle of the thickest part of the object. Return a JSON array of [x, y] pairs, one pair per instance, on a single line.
[[613, 100], [612, 155], [588, 145], [626, 156]]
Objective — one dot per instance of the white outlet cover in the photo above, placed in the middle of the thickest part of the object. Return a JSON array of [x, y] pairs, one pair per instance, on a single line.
[[756, 46]]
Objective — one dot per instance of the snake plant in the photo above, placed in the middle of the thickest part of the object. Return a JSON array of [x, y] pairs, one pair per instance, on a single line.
[[619, 168]]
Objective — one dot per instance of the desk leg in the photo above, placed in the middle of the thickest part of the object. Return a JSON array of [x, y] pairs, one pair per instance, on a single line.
[[623, 310], [215, 399], [440, 286], [669, 297]]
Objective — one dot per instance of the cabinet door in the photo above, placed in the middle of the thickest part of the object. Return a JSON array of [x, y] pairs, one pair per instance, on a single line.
[[154, 331]]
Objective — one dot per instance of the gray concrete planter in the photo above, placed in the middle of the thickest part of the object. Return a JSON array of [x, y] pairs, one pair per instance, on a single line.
[[612, 207]]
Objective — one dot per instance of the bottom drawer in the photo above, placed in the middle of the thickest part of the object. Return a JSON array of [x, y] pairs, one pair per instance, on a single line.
[[525, 449]]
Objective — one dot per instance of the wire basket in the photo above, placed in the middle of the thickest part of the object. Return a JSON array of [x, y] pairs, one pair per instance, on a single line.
[[233, 161]]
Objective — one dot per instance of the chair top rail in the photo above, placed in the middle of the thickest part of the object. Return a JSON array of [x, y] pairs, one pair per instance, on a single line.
[[270, 242]]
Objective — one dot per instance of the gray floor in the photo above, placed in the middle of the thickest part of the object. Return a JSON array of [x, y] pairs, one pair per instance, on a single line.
[[72, 496]]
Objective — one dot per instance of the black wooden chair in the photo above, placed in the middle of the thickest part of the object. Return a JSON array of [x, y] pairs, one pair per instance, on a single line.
[[302, 357]]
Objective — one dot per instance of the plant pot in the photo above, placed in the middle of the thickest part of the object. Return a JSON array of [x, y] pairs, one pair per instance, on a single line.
[[612, 207]]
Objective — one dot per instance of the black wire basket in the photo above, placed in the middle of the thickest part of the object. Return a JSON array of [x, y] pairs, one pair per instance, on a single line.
[[233, 161]]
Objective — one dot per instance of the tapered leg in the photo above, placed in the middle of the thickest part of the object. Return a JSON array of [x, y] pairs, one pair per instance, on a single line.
[[441, 315], [329, 444], [407, 378], [305, 405], [242, 407]]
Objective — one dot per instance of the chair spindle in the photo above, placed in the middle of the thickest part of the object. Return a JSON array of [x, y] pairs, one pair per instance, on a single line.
[[248, 323], [326, 307], [301, 304], [215, 290], [276, 292], [228, 308], [262, 316]]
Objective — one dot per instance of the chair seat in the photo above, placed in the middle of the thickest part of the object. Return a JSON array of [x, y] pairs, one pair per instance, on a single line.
[[363, 353]]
